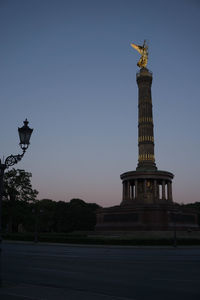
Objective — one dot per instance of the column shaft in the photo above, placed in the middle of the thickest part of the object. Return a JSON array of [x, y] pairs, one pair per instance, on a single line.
[[145, 121]]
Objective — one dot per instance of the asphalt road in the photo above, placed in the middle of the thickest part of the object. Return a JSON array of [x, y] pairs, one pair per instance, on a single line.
[[99, 273]]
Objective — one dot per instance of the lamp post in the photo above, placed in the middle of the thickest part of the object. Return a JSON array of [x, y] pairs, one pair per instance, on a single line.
[[175, 237], [24, 136]]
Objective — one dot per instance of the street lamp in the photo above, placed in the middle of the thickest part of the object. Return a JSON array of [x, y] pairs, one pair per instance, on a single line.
[[24, 136]]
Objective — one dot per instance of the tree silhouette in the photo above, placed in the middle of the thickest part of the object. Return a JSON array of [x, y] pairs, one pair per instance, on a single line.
[[17, 191]]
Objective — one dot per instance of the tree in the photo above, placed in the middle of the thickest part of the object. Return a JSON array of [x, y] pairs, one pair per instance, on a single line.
[[17, 186], [17, 190], [81, 215], [66, 216]]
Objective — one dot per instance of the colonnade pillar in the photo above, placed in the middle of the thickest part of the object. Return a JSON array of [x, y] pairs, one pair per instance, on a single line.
[[130, 190], [136, 189], [155, 188], [123, 190], [163, 190], [169, 190]]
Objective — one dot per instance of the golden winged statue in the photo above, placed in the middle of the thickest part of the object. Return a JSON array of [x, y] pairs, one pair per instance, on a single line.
[[143, 50]]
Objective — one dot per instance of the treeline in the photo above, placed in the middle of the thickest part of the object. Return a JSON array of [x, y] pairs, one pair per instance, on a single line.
[[22, 212], [48, 216]]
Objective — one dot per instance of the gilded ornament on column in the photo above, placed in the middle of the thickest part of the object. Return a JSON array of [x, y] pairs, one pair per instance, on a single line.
[[143, 50]]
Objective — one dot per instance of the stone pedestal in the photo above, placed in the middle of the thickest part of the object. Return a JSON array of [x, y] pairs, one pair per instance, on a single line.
[[145, 217]]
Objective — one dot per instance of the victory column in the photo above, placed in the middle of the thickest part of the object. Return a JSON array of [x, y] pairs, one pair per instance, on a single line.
[[147, 202]]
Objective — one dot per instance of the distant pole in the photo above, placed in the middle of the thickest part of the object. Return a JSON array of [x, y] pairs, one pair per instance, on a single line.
[[37, 212], [36, 229], [36, 224], [175, 236]]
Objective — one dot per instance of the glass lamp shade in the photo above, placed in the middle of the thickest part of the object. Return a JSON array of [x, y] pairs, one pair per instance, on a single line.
[[24, 135]]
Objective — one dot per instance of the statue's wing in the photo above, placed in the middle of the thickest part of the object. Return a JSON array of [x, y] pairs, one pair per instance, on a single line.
[[138, 48]]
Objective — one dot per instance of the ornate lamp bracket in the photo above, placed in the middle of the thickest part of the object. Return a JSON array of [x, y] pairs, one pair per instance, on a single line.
[[13, 159]]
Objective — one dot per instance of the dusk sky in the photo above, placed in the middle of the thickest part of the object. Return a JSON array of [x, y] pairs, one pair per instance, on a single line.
[[67, 66]]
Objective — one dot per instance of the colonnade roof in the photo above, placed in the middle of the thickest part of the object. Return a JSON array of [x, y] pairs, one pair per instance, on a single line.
[[154, 174]]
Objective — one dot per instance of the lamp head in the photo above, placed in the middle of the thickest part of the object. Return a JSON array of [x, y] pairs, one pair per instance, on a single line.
[[24, 135]]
